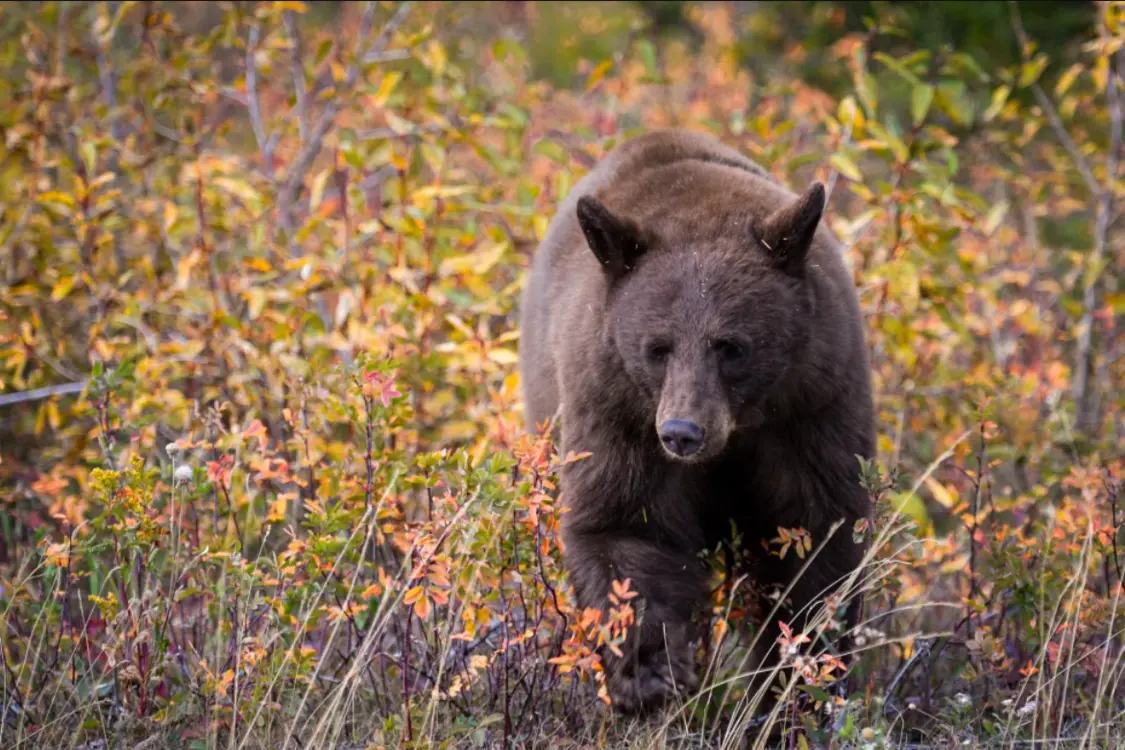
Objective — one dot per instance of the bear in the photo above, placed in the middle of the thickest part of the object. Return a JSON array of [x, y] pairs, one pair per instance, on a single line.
[[690, 324]]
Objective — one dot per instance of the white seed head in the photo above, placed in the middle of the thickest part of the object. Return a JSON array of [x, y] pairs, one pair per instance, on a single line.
[[182, 474], [173, 449]]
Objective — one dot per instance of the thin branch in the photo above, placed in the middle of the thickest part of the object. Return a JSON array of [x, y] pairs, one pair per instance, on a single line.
[[107, 77], [375, 134], [378, 50], [1085, 397], [311, 148], [21, 397], [260, 134], [296, 55], [233, 95], [1049, 108], [388, 56]]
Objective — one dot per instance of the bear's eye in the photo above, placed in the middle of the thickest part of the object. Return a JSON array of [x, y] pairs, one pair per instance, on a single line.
[[727, 350], [658, 351]]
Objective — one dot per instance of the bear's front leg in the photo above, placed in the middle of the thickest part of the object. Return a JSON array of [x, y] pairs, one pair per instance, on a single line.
[[658, 656]]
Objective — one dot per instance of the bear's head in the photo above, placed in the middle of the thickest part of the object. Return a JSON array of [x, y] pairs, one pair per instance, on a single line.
[[708, 325]]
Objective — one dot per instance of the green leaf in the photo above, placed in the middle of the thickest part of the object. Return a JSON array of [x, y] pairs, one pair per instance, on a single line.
[[898, 67], [89, 153], [995, 215], [845, 166], [912, 506], [1031, 71], [920, 100], [816, 693], [551, 150], [1067, 79], [999, 99], [648, 57], [866, 88]]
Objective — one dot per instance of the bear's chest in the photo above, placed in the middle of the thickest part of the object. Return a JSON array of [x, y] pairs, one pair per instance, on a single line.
[[753, 487]]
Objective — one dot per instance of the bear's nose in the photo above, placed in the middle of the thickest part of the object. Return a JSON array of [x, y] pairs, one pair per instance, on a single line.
[[681, 437]]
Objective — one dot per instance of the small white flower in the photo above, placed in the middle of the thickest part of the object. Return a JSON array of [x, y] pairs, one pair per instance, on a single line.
[[1027, 708], [173, 449], [860, 641], [182, 474], [1006, 702], [962, 699]]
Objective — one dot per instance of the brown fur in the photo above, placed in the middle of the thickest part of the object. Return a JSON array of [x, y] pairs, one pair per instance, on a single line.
[[679, 281]]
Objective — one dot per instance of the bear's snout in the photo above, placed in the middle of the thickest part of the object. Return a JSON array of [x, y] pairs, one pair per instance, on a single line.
[[681, 437]]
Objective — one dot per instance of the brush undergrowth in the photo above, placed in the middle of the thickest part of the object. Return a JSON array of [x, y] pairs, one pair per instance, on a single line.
[[264, 258]]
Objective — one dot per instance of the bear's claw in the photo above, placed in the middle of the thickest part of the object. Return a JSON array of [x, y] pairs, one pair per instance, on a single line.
[[653, 681]]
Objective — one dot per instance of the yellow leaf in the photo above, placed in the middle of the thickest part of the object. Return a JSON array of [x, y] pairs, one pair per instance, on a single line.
[[995, 215], [512, 383], [277, 510], [103, 179], [941, 492], [479, 262], [999, 99], [459, 324], [845, 166], [317, 190], [54, 196], [387, 87], [238, 188], [435, 57], [1066, 80], [62, 287], [170, 214], [422, 608], [442, 191], [598, 73], [185, 266], [413, 595]]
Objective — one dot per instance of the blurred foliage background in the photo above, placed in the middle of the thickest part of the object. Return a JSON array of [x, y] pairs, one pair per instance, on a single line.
[[262, 466]]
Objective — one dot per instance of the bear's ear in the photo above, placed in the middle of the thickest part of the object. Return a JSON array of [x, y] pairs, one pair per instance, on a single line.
[[788, 232], [616, 243]]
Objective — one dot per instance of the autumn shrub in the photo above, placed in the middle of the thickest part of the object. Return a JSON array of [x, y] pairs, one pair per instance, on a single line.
[[265, 477]]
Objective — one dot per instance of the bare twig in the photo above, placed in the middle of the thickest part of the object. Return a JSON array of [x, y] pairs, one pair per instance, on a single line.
[[300, 86], [1102, 196], [388, 56], [310, 149], [233, 95], [1085, 397], [265, 143], [374, 134], [378, 51], [107, 76], [21, 397], [1049, 108]]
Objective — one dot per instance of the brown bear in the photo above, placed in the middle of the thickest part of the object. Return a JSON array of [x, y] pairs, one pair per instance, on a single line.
[[694, 327]]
